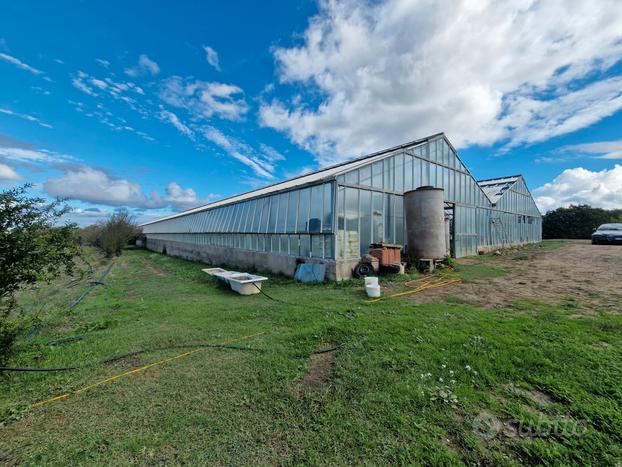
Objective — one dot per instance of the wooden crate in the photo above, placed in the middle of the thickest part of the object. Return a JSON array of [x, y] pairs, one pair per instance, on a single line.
[[387, 254]]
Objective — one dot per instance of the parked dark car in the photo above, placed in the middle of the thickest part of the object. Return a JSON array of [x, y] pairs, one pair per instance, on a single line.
[[608, 234]]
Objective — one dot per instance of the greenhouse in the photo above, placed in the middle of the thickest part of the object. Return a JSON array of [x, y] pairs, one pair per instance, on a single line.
[[332, 216]]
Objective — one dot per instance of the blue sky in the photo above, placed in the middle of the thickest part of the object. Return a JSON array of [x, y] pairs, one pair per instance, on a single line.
[[158, 107]]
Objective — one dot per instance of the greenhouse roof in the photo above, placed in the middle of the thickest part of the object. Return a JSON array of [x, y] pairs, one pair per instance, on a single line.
[[314, 177], [495, 188]]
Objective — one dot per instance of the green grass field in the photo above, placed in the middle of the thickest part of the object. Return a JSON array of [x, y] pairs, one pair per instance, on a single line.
[[441, 383]]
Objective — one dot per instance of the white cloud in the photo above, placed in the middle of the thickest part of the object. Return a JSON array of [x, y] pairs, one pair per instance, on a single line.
[[80, 82], [611, 150], [19, 64], [98, 83], [531, 120], [270, 153], [144, 66], [94, 185], [40, 90], [128, 92], [204, 100], [240, 151], [30, 118], [103, 62], [488, 71], [8, 173], [602, 189], [185, 198], [125, 91], [33, 155], [176, 122], [212, 57], [86, 216]]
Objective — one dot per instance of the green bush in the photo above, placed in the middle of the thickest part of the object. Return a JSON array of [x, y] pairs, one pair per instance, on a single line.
[[9, 329], [577, 222], [112, 235], [32, 248], [117, 232]]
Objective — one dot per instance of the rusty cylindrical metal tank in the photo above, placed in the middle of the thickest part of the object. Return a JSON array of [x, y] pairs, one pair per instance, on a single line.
[[425, 223]]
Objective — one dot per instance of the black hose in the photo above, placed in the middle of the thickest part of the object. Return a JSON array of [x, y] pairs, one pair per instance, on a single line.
[[64, 368], [307, 306], [92, 285], [332, 349], [131, 354]]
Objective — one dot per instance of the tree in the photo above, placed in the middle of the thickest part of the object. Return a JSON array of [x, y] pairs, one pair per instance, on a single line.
[[32, 248], [90, 235], [576, 221], [117, 232]]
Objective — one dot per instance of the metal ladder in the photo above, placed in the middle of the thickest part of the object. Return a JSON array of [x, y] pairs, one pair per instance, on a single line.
[[498, 225]]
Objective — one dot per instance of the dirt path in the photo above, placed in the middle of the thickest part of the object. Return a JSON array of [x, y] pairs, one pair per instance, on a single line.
[[578, 274]]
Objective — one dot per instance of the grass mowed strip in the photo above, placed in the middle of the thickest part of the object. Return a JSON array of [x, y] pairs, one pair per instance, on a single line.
[[445, 382]]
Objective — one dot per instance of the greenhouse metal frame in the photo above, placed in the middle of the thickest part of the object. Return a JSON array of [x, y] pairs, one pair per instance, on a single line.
[[333, 215]]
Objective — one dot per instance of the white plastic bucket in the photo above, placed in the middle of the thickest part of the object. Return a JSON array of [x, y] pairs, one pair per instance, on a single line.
[[373, 291], [371, 281]]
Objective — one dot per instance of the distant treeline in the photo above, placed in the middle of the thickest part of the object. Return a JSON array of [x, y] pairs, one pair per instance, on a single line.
[[577, 222]]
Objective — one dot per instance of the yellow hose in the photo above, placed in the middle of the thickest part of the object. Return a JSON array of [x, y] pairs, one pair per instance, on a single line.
[[422, 284], [136, 370]]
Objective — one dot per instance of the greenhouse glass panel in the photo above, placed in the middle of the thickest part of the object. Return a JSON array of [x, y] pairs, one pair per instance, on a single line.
[[389, 218], [425, 173], [258, 215], [237, 214], [274, 210], [294, 247], [366, 216], [399, 220], [303, 210], [432, 156], [328, 246], [315, 211], [282, 216], [317, 246], [377, 217], [408, 173], [377, 174], [365, 175], [399, 173], [352, 223], [352, 177], [327, 221], [251, 215], [227, 219], [292, 211], [389, 164], [243, 214], [305, 246]]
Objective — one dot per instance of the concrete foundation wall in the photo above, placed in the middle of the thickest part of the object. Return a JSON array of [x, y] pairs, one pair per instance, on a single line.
[[493, 248], [247, 260]]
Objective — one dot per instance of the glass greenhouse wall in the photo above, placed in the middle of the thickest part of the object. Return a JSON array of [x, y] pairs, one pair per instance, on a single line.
[[336, 213], [370, 204], [297, 222]]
